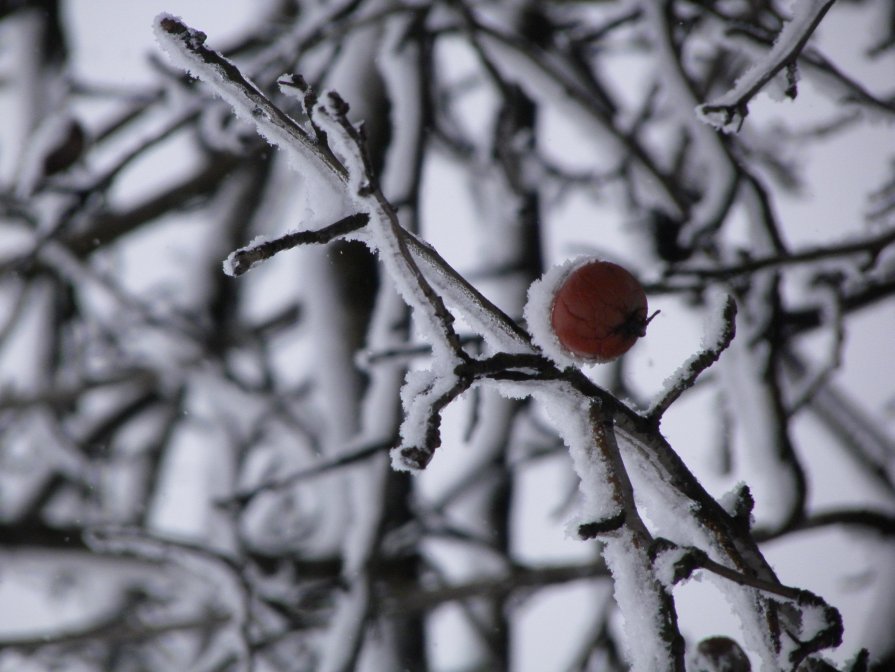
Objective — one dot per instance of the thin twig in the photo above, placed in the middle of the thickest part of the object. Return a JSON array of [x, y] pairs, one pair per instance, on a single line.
[[229, 78], [698, 363], [733, 106], [872, 246], [243, 259]]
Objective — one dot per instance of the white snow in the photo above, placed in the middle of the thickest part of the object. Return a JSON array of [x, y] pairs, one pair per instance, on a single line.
[[421, 390], [228, 265], [570, 413], [729, 501], [665, 565], [249, 104], [637, 597], [805, 16], [714, 329], [539, 308]]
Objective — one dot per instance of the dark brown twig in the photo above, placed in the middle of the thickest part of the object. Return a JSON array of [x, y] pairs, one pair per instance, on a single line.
[[243, 259]]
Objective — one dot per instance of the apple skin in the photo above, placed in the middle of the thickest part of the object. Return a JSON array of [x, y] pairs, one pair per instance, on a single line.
[[599, 311]]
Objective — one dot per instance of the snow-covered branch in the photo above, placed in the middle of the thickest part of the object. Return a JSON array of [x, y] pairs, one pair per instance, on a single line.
[[235, 435], [728, 112], [714, 344], [245, 258]]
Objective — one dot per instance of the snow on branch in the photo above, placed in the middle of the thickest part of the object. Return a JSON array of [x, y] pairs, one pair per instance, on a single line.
[[587, 417], [608, 511], [243, 259], [332, 146], [719, 336], [186, 47], [728, 112], [424, 396], [651, 626], [817, 625]]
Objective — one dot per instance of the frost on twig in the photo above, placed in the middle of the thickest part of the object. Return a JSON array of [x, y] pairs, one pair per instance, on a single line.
[[186, 47], [806, 618], [243, 259], [728, 112], [336, 147], [328, 143], [716, 341], [608, 510], [424, 396]]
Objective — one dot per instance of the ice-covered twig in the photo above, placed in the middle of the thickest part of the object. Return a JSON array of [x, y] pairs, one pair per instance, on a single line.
[[424, 396], [615, 480], [337, 147], [669, 488], [187, 47], [608, 509], [812, 63], [728, 111], [683, 561], [695, 365], [388, 236], [648, 606], [824, 628], [482, 314], [333, 134], [245, 258]]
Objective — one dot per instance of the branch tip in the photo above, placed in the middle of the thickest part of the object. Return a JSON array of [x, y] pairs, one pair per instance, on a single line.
[[598, 528]]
